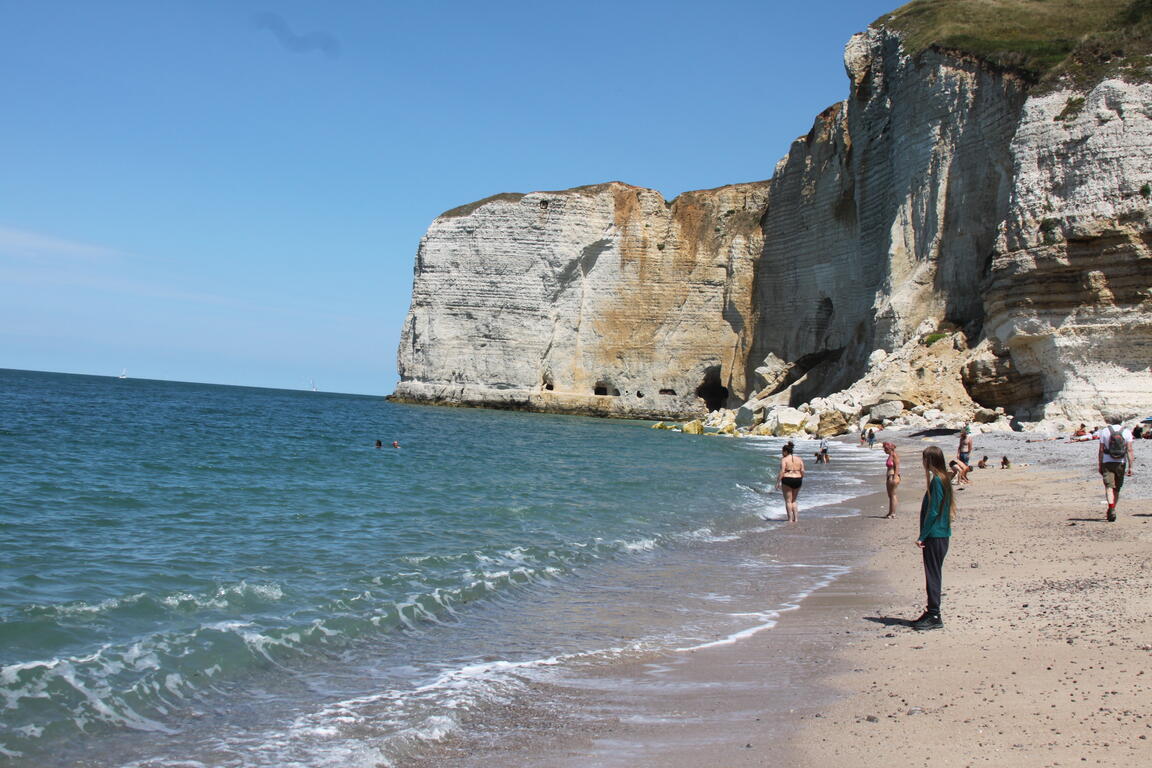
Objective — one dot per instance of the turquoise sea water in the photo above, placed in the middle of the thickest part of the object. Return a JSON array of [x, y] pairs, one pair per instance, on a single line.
[[206, 575]]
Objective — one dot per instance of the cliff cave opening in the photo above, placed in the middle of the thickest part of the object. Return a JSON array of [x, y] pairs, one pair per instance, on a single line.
[[603, 389], [711, 391]]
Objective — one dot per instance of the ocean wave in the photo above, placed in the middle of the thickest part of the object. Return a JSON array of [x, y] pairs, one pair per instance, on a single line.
[[391, 727], [239, 596]]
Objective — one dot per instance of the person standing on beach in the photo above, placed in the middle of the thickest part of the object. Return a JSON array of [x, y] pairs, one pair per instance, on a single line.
[[871, 439], [891, 476], [936, 512], [967, 443], [964, 452], [1114, 456], [823, 450], [790, 478]]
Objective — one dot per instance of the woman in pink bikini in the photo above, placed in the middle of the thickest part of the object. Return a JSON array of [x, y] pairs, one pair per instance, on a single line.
[[790, 479], [891, 476]]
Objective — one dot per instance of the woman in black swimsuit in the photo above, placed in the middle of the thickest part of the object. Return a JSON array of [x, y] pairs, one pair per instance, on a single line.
[[790, 478]]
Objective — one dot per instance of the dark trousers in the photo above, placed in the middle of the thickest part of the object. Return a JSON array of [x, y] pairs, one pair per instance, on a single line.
[[934, 552]]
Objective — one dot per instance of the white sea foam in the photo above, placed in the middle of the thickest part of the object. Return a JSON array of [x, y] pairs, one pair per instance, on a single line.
[[768, 619], [224, 596]]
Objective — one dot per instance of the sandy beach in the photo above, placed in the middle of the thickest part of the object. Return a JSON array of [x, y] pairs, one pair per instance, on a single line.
[[1045, 658], [1046, 654]]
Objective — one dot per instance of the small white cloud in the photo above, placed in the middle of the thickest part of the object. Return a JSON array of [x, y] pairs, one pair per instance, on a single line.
[[19, 245]]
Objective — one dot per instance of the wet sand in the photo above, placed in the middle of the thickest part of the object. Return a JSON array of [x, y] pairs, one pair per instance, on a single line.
[[736, 703]]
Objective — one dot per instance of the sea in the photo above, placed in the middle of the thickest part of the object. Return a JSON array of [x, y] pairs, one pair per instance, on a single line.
[[202, 575]]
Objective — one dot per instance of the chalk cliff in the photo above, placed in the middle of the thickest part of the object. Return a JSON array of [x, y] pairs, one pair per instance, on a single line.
[[1068, 310], [603, 300], [945, 194]]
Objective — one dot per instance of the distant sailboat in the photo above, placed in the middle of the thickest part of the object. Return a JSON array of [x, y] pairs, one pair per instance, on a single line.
[[312, 384], [123, 373]]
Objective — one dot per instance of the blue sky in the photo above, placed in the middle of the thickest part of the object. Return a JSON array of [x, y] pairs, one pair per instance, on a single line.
[[233, 192]]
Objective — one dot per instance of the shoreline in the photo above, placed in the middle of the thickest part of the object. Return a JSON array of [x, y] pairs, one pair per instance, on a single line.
[[736, 699], [1045, 658]]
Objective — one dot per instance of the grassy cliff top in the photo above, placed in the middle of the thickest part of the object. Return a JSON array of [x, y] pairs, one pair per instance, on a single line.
[[1067, 42]]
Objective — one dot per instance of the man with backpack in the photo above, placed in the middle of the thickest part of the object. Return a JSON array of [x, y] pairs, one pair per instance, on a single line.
[[1115, 460]]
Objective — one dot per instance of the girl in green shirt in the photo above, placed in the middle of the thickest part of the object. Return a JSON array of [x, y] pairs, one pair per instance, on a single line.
[[936, 512]]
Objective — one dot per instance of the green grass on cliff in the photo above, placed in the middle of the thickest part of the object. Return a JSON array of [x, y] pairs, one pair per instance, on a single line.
[[1052, 42]]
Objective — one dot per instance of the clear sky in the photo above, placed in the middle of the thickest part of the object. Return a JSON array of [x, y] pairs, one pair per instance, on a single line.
[[232, 192]]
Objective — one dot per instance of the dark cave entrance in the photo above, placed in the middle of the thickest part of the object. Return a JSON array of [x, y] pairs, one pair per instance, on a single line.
[[711, 391], [604, 389]]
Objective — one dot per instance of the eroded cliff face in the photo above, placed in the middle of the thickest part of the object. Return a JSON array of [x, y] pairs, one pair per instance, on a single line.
[[884, 215], [939, 196], [1069, 306], [602, 300]]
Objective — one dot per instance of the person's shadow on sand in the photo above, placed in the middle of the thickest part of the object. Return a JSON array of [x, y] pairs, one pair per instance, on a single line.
[[889, 621], [1086, 520]]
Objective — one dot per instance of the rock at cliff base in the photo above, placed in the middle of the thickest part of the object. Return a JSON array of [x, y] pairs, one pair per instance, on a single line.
[[833, 423], [749, 414], [789, 421], [694, 427], [771, 372], [985, 416], [888, 410]]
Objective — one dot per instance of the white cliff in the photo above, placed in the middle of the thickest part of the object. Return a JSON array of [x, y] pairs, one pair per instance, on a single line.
[[942, 195], [1069, 308], [602, 300], [883, 216]]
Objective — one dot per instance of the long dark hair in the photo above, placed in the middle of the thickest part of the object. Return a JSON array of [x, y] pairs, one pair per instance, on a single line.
[[935, 464], [788, 448]]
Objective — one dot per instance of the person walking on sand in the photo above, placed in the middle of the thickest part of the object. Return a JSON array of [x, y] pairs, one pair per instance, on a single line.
[[1115, 458], [936, 513], [891, 476], [790, 478]]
